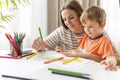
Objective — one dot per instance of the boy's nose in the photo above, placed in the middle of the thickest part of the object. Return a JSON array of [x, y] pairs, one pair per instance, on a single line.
[[86, 29]]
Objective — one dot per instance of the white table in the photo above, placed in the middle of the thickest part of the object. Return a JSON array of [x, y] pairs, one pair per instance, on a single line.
[[36, 69]]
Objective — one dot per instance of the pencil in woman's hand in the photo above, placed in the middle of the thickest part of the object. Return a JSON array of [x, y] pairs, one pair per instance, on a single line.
[[40, 33], [41, 37]]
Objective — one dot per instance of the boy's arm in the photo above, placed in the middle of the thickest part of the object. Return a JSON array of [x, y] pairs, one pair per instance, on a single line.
[[82, 54], [91, 56]]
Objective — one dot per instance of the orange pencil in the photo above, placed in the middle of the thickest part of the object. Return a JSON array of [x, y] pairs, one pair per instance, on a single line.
[[49, 61]]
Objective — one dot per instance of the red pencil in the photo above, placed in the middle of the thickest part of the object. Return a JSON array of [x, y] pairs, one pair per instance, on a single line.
[[13, 43], [9, 57]]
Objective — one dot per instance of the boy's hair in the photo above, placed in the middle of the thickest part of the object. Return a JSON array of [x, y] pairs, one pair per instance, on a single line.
[[72, 5], [93, 13]]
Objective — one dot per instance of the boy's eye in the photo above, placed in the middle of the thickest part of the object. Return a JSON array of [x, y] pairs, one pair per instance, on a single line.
[[84, 26], [88, 26]]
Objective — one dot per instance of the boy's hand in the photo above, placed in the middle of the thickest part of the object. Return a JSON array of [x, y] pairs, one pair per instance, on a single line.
[[58, 49], [110, 63], [71, 53]]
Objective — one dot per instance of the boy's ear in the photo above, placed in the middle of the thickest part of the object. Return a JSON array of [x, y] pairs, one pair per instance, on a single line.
[[103, 23]]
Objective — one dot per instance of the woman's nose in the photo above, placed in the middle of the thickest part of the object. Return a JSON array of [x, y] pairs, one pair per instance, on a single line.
[[68, 21]]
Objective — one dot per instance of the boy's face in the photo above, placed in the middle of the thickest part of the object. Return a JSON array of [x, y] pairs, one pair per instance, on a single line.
[[93, 28]]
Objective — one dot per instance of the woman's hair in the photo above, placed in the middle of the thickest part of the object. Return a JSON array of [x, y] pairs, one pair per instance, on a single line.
[[93, 13], [73, 5]]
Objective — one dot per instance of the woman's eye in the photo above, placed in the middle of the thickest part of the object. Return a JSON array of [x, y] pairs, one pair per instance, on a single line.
[[71, 17]]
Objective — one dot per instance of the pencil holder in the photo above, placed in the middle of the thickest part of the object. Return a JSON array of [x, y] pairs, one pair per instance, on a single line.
[[16, 48]]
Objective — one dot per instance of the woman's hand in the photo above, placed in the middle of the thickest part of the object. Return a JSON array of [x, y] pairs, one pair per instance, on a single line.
[[39, 44], [110, 63]]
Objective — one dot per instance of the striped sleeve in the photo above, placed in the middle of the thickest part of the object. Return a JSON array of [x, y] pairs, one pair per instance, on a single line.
[[53, 38]]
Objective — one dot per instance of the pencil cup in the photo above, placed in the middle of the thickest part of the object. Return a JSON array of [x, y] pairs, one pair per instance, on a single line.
[[16, 48]]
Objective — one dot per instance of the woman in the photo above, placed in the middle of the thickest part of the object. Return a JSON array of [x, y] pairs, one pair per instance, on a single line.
[[69, 33]]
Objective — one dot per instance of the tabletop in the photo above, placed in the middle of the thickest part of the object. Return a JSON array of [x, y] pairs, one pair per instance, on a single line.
[[34, 68]]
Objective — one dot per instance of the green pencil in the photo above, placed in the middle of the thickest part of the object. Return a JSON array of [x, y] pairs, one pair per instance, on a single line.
[[68, 72], [40, 33], [41, 37]]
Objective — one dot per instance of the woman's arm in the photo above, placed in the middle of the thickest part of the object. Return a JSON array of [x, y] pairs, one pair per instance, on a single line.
[[116, 54], [49, 42], [54, 38]]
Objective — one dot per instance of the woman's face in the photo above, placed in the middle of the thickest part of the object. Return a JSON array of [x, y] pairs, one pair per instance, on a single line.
[[71, 20]]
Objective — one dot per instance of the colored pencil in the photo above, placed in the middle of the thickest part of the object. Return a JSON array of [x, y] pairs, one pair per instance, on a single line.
[[15, 77], [68, 72], [13, 43], [24, 55], [9, 57], [83, 77], [41, 37], [53, 60], [70, 60], [30, 56], [40, 33]]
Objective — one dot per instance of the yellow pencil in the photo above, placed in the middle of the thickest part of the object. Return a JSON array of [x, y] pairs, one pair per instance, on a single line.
[[30, 56], [70, 60]]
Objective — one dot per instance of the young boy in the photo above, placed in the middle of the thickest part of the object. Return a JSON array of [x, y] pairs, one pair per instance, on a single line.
[[94, 42]]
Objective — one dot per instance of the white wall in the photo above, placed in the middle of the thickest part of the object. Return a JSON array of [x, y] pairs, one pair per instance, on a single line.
[[39, 18], [52, 15], [113, 20], [27, 19]]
